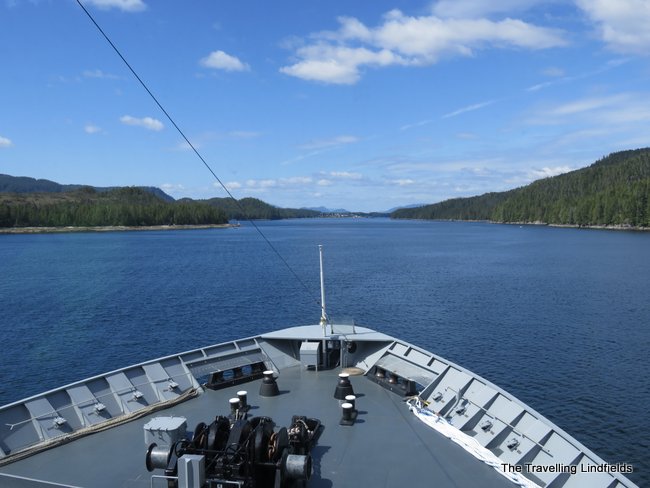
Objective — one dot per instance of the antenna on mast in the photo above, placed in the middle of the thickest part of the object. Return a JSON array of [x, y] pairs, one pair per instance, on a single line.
[[323, 313]]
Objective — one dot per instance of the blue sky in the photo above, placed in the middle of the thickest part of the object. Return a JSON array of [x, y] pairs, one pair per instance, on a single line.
[[362, 105]]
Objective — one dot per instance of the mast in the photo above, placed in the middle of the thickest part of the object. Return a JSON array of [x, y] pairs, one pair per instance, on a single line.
[[323, 316]]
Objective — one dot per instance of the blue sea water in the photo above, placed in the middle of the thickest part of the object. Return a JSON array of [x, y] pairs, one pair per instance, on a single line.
[[558, 317]]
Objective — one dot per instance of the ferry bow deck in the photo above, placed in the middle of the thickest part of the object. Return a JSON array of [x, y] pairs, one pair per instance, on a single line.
[[386, 446]]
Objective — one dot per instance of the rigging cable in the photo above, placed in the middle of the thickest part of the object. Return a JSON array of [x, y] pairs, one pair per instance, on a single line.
[[178, 129]]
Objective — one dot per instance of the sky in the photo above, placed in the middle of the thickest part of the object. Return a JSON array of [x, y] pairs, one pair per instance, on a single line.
[[365, 105]]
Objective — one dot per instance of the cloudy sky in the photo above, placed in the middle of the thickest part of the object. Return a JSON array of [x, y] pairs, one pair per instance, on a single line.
[[365, 105]]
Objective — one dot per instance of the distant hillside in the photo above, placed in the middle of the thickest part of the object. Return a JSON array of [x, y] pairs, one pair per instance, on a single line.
[[413, 205], [614, 191], [257, 209], [327, 210], [87, 207], [25, 184], [39, 189], [473, 208]]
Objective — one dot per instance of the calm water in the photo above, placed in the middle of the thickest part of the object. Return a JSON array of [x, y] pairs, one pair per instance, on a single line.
[[559, 317]]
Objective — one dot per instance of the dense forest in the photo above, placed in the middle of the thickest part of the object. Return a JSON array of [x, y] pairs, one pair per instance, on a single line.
[[87, 207], [30, 202], [252, 208], [614, 191]]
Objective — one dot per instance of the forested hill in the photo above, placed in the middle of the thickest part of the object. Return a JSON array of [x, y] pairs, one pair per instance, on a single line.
[[31, 202], [26, 184], [257, 209], [613, 191], [86, 207]]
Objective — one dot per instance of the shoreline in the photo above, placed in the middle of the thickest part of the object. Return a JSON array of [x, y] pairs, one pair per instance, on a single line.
[[109, 228], [624, 227], [578, 226]]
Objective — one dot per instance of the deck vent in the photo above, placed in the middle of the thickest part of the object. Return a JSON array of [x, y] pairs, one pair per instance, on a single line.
[[512, 444], [461, 410], [437, 396], [486, 425], [269, 388], [172, 384], [59, 422], [137, 394], [344, 387], [99, 407]]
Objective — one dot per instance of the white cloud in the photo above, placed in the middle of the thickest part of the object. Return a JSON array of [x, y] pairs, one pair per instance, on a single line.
[[172, 187], [553, 71], [318, 146], [337, 57], [561, 79], [598, 119], [622, 24], [338, 64], [547, 172], [588, 104], [333, 142], [296, 180], [539, 86], [146, 122], [184, 146], [5, 142], [480, 8], [124, 5], [267, 183], [221, 60], [324, 182], [428, 38], [469, 108], [415, 124], [92, 129], [402, 182], [345, 175], [264, 184], [99, 74]]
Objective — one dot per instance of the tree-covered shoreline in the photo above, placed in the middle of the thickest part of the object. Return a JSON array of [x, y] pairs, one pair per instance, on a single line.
[[30, 202], [128, 207], [614, 192]]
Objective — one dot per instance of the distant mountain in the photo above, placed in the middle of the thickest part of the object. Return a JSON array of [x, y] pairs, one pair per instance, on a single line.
[[25, 184], [327, 210], [614, 191]]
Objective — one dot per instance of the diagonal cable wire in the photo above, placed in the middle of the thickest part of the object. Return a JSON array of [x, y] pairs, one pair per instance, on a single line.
[[178, 129]]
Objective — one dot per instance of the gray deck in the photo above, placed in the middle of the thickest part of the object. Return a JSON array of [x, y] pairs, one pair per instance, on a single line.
[[387, 446]]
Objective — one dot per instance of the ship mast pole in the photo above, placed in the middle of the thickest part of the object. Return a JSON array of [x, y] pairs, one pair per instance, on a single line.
[[323, 316]]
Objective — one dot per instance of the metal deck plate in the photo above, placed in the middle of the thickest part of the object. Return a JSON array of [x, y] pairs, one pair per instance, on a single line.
[[387, 445]]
